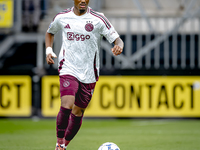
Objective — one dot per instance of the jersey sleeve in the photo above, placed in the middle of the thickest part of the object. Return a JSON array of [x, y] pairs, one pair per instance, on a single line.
[[108, 31], [55, 26]]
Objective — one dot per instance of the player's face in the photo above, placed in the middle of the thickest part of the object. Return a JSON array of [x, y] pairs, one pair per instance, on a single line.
[[81, 6]]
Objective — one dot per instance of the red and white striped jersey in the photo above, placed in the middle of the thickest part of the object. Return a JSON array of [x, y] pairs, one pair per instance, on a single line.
[[81, 38]]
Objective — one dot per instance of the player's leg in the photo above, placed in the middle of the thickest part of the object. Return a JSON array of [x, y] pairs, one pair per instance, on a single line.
[[62, 119], [26, 15], [75, 123], [82, 100], [36, 14], [68, 89]]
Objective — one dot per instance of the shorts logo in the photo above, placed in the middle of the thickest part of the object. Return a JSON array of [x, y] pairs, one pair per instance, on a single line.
[[89, 27], [66, 83]]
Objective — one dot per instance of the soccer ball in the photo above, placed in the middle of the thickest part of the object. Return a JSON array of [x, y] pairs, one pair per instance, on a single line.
[[108, 146]]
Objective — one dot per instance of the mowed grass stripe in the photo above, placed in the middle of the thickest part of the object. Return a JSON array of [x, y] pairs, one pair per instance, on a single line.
[[128, 134]]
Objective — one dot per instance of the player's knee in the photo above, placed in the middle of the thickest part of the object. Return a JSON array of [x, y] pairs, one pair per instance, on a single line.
[[77, 111], [67, 101]]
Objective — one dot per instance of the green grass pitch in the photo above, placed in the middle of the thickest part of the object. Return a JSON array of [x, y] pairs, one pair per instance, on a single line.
[[128, 134]]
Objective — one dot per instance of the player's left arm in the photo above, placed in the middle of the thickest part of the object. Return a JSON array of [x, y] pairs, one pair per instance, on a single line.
[[118, 47]]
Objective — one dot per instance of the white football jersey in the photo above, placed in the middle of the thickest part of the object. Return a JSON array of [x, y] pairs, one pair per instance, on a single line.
[[79, 54]]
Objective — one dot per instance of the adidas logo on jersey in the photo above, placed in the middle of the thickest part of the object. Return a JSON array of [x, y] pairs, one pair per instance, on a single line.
[[67, 26]]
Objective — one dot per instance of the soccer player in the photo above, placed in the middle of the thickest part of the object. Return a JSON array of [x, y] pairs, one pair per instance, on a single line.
[[82, 31]]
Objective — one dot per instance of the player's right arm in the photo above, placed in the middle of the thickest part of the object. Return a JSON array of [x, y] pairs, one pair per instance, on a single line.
[[54, 27], [49, 38]]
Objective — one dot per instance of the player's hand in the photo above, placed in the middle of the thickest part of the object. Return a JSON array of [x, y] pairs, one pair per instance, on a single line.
[[49, 59], [117, 50]]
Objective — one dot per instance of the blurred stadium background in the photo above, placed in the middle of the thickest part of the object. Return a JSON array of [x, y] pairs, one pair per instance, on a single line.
[[156, 76]]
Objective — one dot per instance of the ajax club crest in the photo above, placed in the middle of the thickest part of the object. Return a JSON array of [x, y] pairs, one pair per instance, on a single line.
[[89, 26], [66, 83]]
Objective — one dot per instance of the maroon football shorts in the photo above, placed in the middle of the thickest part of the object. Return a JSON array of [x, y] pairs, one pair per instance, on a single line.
[[70, 85]]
